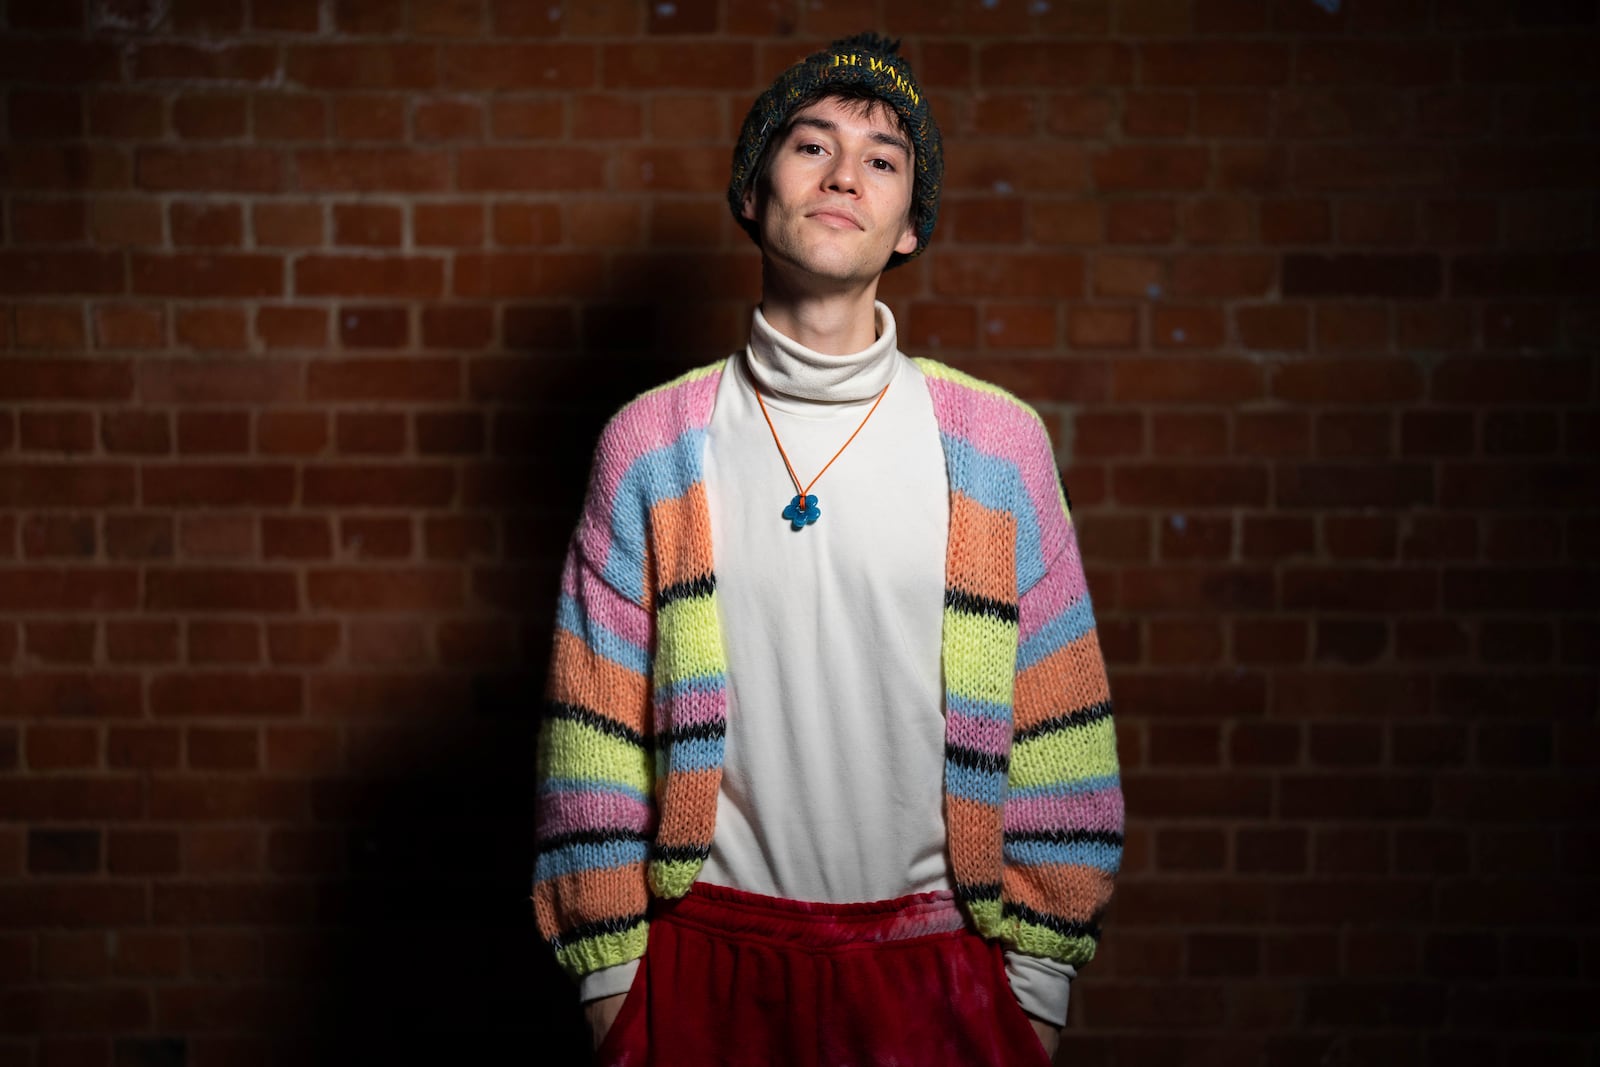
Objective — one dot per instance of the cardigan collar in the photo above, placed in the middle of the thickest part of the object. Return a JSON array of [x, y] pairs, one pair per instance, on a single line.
[[784, 367]]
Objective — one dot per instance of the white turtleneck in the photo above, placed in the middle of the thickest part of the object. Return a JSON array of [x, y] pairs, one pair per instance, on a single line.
[[833, 774]]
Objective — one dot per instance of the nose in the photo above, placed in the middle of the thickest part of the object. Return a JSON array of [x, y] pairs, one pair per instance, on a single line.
[[841, 177]]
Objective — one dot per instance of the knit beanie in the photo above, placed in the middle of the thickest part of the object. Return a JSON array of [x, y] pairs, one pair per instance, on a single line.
[[867, 60]]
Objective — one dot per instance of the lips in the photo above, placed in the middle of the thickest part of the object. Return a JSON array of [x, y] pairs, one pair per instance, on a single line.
[[836, 216]]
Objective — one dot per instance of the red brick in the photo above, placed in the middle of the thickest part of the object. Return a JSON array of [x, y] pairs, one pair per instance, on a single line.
[[448, 225], [58, 537], [55, 327], [414, 589], [719, 65], [377, 225], [362, 66], [400, 170], [287, 225], [143, 747], [449, 120], [380, 276], [369, 118], [136, 852], [129, 326], [219, 485], [541, 66], [537, 169], [222, 749], [141, 642], [228, 170]]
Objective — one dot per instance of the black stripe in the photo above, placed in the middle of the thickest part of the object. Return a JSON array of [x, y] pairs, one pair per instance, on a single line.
[[590, 837], [703, 585], [620, 925], [707, 731], [1065, 837], [972, 604], [1082, 717], [978, 761], [1064, 927], [978, 893], [558, 709], [679, 853]]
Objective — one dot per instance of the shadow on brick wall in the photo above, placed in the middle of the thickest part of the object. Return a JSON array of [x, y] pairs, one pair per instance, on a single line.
[[432, 952]]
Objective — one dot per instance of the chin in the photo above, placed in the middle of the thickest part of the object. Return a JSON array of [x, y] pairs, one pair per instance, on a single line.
[[833, 263]]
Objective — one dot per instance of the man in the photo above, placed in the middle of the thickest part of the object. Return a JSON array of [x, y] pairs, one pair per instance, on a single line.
[[827, 782]]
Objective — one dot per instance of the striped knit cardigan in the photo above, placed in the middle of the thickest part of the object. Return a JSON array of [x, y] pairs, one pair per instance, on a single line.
[[630, 749]]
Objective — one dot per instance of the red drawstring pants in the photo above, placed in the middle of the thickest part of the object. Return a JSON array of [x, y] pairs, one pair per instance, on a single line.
[[731, 978]]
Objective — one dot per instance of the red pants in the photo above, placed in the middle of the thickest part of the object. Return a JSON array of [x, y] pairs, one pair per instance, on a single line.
[[734, 978]]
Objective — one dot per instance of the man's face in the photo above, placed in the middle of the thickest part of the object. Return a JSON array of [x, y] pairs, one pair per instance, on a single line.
[[837, 197]]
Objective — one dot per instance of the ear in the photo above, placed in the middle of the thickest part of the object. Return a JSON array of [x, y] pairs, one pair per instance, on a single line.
[[749, 211], [908, 241]]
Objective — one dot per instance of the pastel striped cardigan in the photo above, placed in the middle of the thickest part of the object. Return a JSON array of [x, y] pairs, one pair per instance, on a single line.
[[631, 746]]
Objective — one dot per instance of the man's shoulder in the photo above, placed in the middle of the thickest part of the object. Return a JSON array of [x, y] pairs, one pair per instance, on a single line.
[[666, 410], [973, 395]]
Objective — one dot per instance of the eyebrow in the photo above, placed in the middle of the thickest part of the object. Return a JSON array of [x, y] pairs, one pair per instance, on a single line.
[[830, 126]]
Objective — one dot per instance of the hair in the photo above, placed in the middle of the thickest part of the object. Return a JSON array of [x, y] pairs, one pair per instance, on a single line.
[[860, 100]]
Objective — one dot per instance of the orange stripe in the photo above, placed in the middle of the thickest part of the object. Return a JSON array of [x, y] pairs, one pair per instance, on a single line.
[[689, 792], [1045, 889], [603, 894], [1071, 677], [682, 534], [579, 675], [978, 825], [983, 546]]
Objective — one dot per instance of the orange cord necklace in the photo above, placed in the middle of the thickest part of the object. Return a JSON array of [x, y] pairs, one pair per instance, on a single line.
[[802, 510]]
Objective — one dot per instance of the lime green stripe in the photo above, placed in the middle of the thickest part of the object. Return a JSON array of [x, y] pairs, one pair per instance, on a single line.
[[603, 950], [685, 378], [1038, 940], [575, 750], [673, 878], [1088, 751], [986, 915], [689, 640], [980, 654]]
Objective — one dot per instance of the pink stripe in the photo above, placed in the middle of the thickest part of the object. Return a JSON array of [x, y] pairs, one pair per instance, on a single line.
[[603, 604], [1061, 587], [644, 424], [980, 735], [694, 708], [996, 426], [564, 813], [651, 422], [1101, 809]]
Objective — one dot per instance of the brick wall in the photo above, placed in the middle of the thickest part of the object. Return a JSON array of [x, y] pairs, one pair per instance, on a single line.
[[310, 313]]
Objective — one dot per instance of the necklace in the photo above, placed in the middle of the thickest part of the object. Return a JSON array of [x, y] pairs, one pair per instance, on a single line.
[[802, 510]]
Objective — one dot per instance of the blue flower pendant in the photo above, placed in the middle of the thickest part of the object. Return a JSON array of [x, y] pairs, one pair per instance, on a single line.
[[802, 512]]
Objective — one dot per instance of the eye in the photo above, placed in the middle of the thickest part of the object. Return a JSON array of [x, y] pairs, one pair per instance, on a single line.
[[882, 164], [806, 148]]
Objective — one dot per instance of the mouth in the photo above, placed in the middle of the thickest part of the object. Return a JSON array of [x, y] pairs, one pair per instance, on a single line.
[[838, 219]]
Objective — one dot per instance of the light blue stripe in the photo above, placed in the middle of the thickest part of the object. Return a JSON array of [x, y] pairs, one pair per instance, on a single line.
[[1065, 628], [971, 784], [700, 684], [1077, 787], [974, 708], [996, 483], [696, 754], [588, 857], [1094, 854], [591, 785], [608, 643], [663, 473]]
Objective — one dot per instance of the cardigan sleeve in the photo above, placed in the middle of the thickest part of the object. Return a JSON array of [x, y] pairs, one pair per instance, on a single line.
[[595, 765], [1063, 813]]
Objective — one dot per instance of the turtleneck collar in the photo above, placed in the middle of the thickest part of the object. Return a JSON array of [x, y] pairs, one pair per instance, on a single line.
[[784, 367]]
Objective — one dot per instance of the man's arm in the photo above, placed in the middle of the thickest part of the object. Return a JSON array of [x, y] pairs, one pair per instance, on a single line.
[[1063, 814], [595, 774]]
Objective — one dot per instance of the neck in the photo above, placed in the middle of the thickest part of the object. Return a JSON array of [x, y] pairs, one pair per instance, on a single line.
[[834, 323]]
